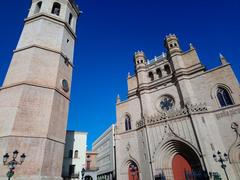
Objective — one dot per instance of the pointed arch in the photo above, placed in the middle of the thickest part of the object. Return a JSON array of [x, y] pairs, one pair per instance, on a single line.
[[168, 150], [224, 97]]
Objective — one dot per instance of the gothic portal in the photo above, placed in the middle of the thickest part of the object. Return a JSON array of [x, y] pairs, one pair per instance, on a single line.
[[35, 95], [176, 116]]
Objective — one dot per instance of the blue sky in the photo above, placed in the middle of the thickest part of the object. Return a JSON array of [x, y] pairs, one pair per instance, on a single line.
[[110, 31]]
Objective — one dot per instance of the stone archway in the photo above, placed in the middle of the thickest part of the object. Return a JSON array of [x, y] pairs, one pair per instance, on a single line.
[[133, 171], [177, 160]]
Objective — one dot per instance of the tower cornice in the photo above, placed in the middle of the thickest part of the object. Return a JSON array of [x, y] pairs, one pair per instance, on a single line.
[[44, 15]]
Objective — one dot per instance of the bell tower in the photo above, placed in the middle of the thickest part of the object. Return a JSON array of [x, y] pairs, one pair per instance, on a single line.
[[34, 98]]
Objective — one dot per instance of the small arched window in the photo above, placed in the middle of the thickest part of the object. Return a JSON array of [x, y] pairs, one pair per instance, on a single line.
[[70, 19], [151, 76], [223, 97], [56, 8], [128, 125], [167, 69], [70, 154], [38, 7], [159, 72], [76, 154]]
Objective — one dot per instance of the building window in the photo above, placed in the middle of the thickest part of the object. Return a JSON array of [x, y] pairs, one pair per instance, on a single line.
[[128, 125], [166, 103], [167, 69], [70, 154], [70, 19], [76, 154], [224, 97], [151, 76], [56, 8], [38, 7], [159, 72], [71, 170]]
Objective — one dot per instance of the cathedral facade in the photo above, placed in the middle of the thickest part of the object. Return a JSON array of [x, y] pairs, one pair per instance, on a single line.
[[178, 118]]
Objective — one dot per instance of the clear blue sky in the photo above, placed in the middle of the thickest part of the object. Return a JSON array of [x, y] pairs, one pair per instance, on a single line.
[[110, 31]]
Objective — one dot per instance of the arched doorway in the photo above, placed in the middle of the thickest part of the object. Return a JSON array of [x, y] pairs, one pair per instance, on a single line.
[[133, 172], [179, 161], [88, 178]]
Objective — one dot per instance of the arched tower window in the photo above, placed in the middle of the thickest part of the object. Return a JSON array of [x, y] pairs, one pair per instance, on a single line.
[[76, 154], [224, 97], [70, 19], [128, 125], [38, 7], [56, 8], [159, 72], [167, 69], [151, 76]]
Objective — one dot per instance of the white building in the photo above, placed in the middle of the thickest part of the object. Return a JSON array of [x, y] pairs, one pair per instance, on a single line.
[[104, 146], [74, 155]]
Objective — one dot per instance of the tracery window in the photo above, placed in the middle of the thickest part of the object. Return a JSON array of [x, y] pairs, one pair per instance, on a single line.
[[223, 97], [128, 125], [56, 8], [166, 103]]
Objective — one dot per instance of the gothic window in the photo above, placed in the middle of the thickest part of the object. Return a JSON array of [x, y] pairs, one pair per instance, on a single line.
[[128, 125], [166, 103], [70, 19], [38, 7], [224, 97], [76, 154], [70, 154], [151, 76], [159, 72], [56, 8], [167, 69]]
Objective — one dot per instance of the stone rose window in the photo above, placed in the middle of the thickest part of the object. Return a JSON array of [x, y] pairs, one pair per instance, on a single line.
[[166, 103]]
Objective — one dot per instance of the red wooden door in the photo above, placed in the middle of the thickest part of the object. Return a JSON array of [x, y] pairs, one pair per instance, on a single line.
[[179, 166], [133, 174]]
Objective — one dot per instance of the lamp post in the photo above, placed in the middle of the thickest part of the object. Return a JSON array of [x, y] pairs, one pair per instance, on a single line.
[[221, 159], [83, 172], [12, 163], [134, 170]]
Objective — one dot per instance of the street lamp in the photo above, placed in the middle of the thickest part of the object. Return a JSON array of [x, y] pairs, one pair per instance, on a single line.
[[83, 172], [13, 163], [134, 170], [221, 159]]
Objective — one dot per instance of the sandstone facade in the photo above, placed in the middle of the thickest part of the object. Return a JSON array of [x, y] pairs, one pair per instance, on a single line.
[[174, 107], [35, 95]]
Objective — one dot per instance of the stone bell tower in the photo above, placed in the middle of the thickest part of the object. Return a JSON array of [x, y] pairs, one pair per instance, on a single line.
[[34, 98]]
